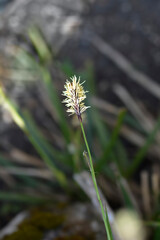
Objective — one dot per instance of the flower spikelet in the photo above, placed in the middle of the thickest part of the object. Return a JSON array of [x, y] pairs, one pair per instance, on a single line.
[[75, 95]]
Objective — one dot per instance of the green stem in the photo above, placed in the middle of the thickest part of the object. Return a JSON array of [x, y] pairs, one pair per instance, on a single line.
[[104, 213]]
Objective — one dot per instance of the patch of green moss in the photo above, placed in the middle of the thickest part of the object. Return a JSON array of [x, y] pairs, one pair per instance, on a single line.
[[44, 220], [25, 233], [73, 237], [34, 227]]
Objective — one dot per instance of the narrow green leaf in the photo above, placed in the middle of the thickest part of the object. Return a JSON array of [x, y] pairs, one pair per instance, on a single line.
[[133, 123], [34, 136], [121, 154], [51, 91], [55, 100], [143, 151], [111, 143], [126, 194], [39, 43], [101, 129]]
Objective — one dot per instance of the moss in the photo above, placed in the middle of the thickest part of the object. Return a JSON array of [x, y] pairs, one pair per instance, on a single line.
[[25, 233], [44, 220], [34, 227], [73, 237], [76, 237]]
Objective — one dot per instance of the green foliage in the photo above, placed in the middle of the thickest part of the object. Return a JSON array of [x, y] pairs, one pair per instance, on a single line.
[[26, 124], [111, 156], [139, 157], [103, 159], [39, 43]]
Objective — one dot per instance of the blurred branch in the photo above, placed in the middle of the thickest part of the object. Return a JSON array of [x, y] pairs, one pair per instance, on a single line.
[[104, 105], [19, 156], [32, 172], [7, 178], [130, 134], [125, 65], [133, 107]]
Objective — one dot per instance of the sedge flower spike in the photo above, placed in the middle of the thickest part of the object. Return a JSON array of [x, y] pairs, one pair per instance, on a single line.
[[75, 95]]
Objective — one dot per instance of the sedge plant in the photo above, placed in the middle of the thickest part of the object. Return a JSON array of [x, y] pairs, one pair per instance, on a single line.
[[75, 96]]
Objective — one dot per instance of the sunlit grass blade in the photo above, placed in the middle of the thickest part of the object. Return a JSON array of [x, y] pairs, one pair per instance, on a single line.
[[45, 75], [111, 143], [44, 148], [44, 53], [140, 156], [37, 140], [55, 100], [39, 43], [42, 142]]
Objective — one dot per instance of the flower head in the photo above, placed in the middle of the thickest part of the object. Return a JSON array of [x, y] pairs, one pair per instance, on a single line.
[[75, 96]]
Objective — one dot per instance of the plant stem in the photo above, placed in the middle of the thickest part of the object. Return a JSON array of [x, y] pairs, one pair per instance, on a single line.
[[103, 211]]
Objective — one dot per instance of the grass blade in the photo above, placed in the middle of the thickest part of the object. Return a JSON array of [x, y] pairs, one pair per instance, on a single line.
[[44, 53], [111, 143], [39, 43], [55, 100], [143, 151], [37, 140], [128, 198], [45, 75]]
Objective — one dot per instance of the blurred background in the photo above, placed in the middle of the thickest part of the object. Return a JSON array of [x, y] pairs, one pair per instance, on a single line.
[[45, 186]]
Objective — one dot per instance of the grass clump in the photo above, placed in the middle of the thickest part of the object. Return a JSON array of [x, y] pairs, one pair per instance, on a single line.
[[110, 156]]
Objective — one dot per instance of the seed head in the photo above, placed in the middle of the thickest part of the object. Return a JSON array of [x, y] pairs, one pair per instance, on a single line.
[[75, 96]]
